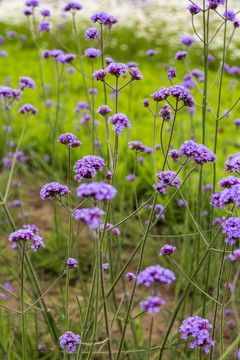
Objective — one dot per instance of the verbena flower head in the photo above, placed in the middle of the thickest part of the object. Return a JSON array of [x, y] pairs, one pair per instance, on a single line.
[[187, 40], [119, 121], [232, 165], [72, 263], [237, 122], [33, 3], [26, 81], [45, 12], [81, 105], [151, 53], [131, 64], [99, 74], [91, 33], [181, 203], [44, 26], [104, 18], [200, 153], [117, 69], [41, 348], [197, 328], [28, 108], [230, 15], [87, 167], [188, 81], [161, 94], [69, 341], [8, 92], [231, 227], [105, 266], [194, 9], [65, 59], [137, 146], [109, 60], [236, 23], [213, 4], [53, 189], [72, 5], [135, 73], [167, 250], [152, 304], [25, 235], [166, 179], [90, 216], [166, 113], [108, 176], [235, 256], [27, 12], [155, 274], [70, 140], [197, 73], [227, 196], [180, 55], [98, 190], [104, 110], [130, 177], [92, 53], [228, 181], [145, 103], [115, 230], [171, 73], [182, 93], [130, 276]]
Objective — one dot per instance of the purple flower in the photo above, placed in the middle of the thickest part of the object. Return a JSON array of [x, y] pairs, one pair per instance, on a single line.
[[70, 70], [236, 24], [99, 74], [109, 60], [104, 18], [200, 153], [191, 112], [90, 216], [194, 9], [7, 92], [7, 286], [120, 121], [131, 64], [228, 181], [188, 81], [92, 53], [45, 12], [16, 203], [27, 12], [115, 230], [135, 73], [49, 102], [98, 190], [166, 113], [2, 39], [235, 256], [187, 40], [181, 93], [152, 304], [28, 108], [53, 189], [44, 26], [213, 4], [167, 178], [198, 328], [72, 5], [11, 34], [26, 81], [207, 187], [149, 150], [72, 263], [22, 37], [3, 296], [231, 227], [197, 73], [230, 15], [4, 54], [137, 146], [180, 55], [217, 221], [41, 348], [105, 266], [181, 203], [151, 52], [237, 122], [25, 235], [108, 176], [232, 165], [33, 3], [69, 341], [81, 105], [161, 94], [91, 33], [156, 274], [87, 167], [93, 91], [167, 250], [65, 59], [171, 73], [130, 276], [117, 69], [104, 110], [130, 177], [145, 103], [70, 140]]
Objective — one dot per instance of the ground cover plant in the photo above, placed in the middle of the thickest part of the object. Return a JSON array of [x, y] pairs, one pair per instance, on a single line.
[[119, 200]]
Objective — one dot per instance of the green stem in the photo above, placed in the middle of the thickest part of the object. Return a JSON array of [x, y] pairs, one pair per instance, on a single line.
[[22, 303], [150, 338]]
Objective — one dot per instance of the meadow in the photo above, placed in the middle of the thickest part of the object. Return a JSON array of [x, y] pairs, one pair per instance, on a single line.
[[86, 281]]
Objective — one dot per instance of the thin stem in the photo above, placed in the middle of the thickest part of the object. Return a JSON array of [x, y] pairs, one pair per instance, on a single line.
[[93, 113], [150, 338], [22, 304]]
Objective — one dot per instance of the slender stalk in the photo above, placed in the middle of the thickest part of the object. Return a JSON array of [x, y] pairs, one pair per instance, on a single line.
[[93, 112], [150, 338], [69, 250], [22, 303]]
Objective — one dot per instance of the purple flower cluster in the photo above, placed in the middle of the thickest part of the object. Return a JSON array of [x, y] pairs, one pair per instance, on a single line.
[[91, 33], [228, 181], [167, 250], [98, 190], [167, 178], [92, 53], [166, 113], [104, 110], [231, 227], [161, 94], [135, 73], [90, 216], [145, 103], [137, 146], [198, 152], [152, 304], [117, 69], [120, 121], [232, 165], [104, 18], [151, 52], [188, 81], [53, 189], [45, 12], [70, 140], [26, 81], [65, 59], [8, 160], [28, 108], [227, 196], [171, 73], [8, 92], [180, 55], [156, 274], [99, 74], [187, 40], [33, 3], [81, 105], [28, 234], [72, 5], [198, 328], [72, 263], [69, 341], [87, 167], [130, 276], [115, 230], [181, 93], [194, 9], [235, 256], [44, 26]]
